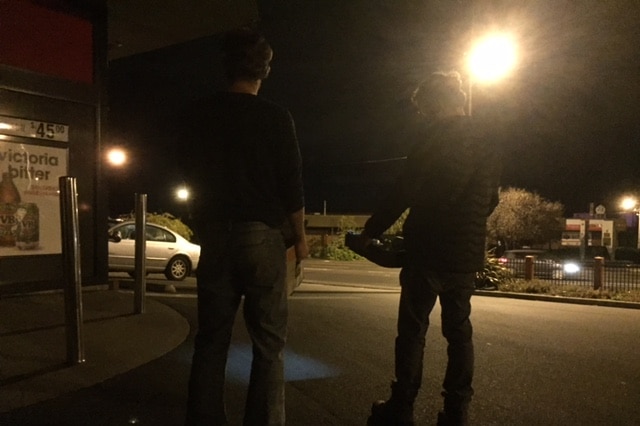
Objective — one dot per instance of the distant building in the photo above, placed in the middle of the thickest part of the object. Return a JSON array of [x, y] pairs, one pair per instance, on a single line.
[[601, 232], [331, 224]]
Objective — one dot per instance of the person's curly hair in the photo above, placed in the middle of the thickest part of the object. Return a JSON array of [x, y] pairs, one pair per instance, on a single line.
[[439, 90], [247, 54]]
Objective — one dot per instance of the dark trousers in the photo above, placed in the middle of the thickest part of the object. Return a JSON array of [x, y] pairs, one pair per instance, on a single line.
[[420, 289], [246, 260]]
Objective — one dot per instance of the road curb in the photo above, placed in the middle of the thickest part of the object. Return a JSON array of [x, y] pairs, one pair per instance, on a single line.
[[559, 299]]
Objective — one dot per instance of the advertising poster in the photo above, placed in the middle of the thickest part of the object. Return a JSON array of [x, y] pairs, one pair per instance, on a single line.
[[29, 199]]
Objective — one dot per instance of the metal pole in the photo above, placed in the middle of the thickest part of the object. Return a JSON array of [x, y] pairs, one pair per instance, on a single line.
[[584, 239], [470, 97], [140, 284], [472, 9], [71, 269], [638, 214], [598, 273], [528, 268]]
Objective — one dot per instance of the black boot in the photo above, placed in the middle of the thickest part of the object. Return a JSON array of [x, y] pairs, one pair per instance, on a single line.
[[397, 411], [453, 419], [455, 411]]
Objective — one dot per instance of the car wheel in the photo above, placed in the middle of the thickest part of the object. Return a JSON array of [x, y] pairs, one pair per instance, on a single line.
[[178, 269]]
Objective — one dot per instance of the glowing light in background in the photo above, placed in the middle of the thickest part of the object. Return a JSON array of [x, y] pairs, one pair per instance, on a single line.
[[116, 157], [182, 194], [628, 203], [492, 58]]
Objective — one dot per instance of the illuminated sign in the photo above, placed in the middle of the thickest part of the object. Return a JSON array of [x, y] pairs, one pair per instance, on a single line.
[[34, 129], [30, 199]]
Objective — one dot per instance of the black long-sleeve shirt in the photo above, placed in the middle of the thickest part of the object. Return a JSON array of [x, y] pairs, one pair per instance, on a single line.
[[246, 160], [451, 185]]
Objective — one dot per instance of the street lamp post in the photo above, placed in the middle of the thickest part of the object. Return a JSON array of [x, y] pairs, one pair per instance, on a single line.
[[115, 159], [631, 204], [183, 195]]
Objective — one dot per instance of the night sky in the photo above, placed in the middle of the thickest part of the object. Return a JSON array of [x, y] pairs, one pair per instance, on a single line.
[[567, 117]]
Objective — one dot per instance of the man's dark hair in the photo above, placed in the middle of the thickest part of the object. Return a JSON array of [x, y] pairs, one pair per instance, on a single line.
[[247, 55]]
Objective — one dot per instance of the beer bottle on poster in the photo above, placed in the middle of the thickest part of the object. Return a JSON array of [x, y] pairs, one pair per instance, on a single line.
[[27, 226], [9, 200]]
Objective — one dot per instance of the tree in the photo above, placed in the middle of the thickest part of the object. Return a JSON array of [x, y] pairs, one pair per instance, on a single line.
[[525, 218]]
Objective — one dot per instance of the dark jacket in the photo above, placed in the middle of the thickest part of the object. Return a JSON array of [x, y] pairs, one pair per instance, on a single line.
[[451, 186]]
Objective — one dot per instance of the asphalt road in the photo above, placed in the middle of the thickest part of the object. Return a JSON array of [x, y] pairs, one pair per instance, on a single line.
[[362, 274], [358, 273], [538, 363]]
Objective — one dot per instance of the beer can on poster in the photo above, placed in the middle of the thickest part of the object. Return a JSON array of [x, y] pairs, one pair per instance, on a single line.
[[7, 224]]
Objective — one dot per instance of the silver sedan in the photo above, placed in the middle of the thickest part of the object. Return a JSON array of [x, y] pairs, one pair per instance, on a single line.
[[166, 251]]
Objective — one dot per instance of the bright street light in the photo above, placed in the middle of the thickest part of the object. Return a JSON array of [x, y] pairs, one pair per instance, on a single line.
[[628, 203], [492, 57], [182, 194], [116, 157]]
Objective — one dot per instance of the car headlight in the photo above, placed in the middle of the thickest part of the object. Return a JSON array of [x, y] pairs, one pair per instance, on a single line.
[[571, 268]]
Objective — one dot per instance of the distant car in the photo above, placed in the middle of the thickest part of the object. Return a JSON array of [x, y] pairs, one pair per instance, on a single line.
[[166, 251], [545, 265]]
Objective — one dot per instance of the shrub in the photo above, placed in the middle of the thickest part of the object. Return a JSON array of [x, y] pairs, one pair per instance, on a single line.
[[493, 274], [337, 250]]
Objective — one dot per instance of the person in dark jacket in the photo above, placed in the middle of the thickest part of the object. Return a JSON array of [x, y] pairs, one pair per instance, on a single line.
[[450, 185], [246, 174]]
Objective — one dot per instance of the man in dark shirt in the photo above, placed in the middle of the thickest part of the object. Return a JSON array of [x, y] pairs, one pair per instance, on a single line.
[[450, 185], [247, 180]]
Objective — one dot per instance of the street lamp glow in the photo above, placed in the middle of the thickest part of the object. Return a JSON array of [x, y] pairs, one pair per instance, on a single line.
[[492, 58], [182, 194], [116, 157], [629, 203]]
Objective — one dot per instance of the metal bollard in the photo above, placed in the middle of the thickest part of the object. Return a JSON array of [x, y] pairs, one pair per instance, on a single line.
[[140, 283], [598, 272], [528, 268], [71, 269]]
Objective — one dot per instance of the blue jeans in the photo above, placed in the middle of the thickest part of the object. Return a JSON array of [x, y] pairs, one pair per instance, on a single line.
[[249, 260], [420, 289]]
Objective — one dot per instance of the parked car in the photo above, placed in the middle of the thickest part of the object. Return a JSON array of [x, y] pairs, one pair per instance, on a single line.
[[545, 264], [166, 251]]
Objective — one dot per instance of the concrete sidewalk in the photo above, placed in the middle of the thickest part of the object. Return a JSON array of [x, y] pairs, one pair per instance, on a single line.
[[33, 355], [33, 358]]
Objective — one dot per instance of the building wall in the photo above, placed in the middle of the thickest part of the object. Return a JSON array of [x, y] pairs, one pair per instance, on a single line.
[[52, 63]]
